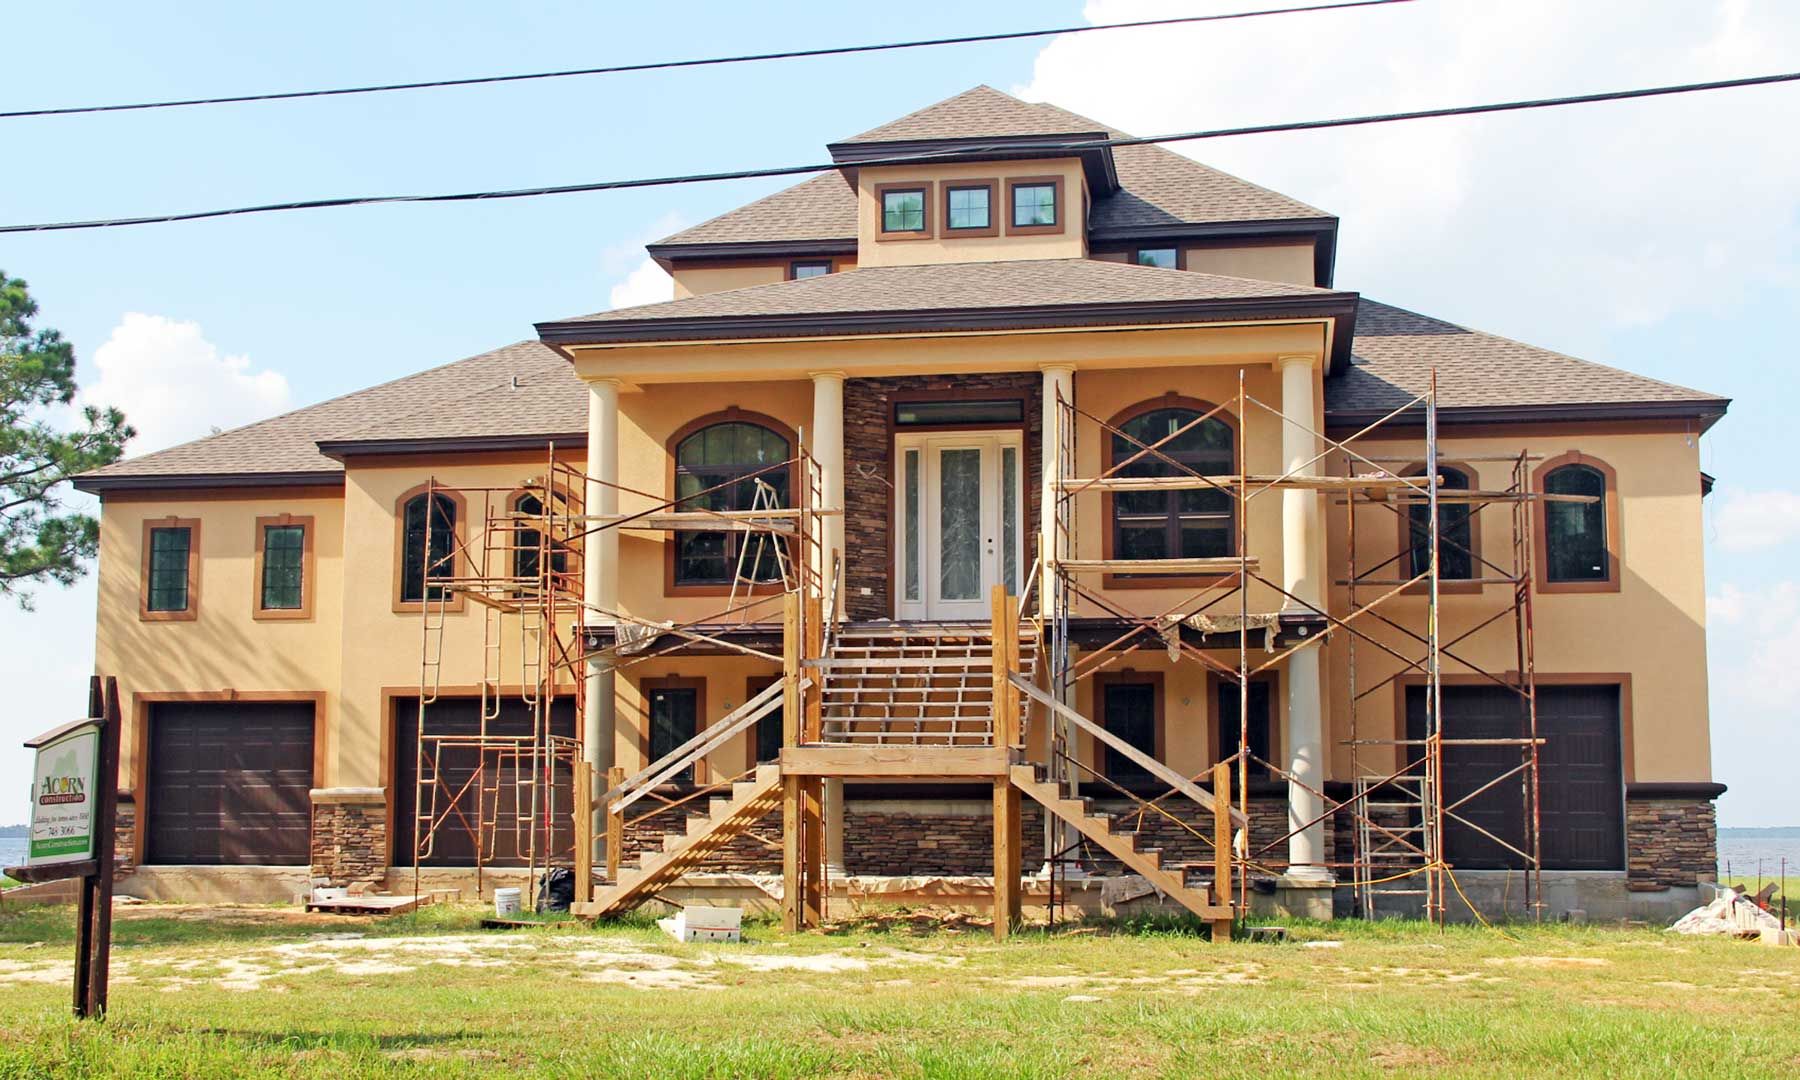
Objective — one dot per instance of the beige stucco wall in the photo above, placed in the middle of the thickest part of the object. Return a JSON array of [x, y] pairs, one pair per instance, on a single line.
[[1652, 629], [224, 648], [382, 647], [699, 280], [1291, 263], [1071, 243]]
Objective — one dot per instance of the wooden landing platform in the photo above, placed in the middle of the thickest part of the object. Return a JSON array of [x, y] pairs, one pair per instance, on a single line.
[[369, 905], [910, 762]]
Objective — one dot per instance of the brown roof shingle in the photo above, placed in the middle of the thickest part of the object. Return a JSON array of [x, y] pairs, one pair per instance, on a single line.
[[1158, 186], [286, 445], [1020, 283], [1395, 351]]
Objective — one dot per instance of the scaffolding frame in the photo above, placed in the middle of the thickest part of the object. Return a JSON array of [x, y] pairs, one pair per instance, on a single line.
[[524, 568], [1383, 852]]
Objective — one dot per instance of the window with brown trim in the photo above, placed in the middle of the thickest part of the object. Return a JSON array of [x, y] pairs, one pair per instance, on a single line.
[[1034, 204], [284, 567], [969, 208], [1190, 524], [528, 545], [1167, 258], [904, 210], [1260, 731], [1457, 549], [724, 465], [765, 745], [170, 571], [1578, 536], [427, 545], [1131, 708], [808, 268], [674, 711]]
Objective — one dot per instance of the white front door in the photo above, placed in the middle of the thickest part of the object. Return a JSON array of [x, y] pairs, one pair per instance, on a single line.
[[960, 522]]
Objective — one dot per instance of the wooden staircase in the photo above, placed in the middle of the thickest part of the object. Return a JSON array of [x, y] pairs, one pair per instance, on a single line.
[[1098, 828], [706, 833], [913, 684]]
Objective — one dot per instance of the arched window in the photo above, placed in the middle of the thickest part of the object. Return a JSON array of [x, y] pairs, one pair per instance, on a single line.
[[1575, 538], [1456, 531], [1191, 524], [723, 466], [416, 563], [527, 540]]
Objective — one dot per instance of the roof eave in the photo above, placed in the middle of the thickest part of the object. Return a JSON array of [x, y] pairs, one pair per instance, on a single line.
[[102, 484], [1340, 307], [665, 253], [1322, 230], [1091, 147], [1705, 412], [342, 449]]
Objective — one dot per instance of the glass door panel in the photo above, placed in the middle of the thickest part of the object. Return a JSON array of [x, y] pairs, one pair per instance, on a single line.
[[959, 524]]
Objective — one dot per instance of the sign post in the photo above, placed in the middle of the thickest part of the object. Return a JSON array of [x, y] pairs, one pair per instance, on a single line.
[[74, 801]]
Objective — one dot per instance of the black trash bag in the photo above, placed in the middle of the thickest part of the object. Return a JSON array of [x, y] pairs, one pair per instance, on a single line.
[[556, 889]]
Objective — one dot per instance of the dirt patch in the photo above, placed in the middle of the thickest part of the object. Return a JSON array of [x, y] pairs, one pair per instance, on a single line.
[[1550, 961]]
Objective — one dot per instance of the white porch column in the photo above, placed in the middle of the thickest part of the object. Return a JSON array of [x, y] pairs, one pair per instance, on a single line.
[[600, 583], [828, 451], [1301, 540]]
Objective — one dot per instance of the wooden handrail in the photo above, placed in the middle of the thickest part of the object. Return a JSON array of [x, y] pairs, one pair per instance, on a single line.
[[662, 769], [1138, 757]]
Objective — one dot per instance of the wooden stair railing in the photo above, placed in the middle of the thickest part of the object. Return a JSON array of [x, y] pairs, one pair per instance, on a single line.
[[1122, 846], [704, 835]]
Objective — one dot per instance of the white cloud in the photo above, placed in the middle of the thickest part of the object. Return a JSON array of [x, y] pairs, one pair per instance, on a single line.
[[1609, 215], [648, 284], [1749, 520], [174, 385], [636, 277]]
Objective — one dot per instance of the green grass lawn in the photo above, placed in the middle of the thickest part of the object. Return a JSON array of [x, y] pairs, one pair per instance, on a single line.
[[261, 992]]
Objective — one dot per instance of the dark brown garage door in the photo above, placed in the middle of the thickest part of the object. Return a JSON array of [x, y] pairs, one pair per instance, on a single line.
[[229, 782], [460, 803], [1580, 769]]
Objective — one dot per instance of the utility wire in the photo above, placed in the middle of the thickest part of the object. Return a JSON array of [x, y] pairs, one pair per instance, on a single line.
[[665, 65], [1049, 146]]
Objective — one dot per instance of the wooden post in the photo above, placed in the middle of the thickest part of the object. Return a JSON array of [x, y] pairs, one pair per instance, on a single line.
[[793, 902], [615, 826], [812, 837], [584, 831], [1222, 887], [1015, 732], [1001, 684], [97, 890], [815, 648], [1007, 835], [791, 642]]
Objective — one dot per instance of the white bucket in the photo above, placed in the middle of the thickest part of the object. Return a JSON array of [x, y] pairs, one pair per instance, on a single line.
[[506, 902]]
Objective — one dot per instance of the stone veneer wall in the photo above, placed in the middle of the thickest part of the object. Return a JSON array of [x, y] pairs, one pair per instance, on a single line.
[[755, 850], [349, 843], [869, 472], [1670, 841], [125, 834]]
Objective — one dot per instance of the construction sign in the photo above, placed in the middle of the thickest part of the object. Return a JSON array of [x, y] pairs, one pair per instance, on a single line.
[[64, 794]]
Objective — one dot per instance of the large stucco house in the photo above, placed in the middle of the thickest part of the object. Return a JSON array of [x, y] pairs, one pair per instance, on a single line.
[[987, 301]]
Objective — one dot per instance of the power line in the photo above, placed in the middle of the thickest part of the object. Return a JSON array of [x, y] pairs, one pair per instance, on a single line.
[[665, 65], [1049, 148]]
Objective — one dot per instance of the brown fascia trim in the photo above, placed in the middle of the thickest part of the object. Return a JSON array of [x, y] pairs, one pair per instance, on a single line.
[[1321, 230], [1707, 480], [340, 449], [1706, 411], [100, 485], [1339, 306], [668, 254], [1674, 789], [1096, 160]]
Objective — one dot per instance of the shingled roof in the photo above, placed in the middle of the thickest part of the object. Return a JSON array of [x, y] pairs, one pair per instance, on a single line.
[[1485, 376], [1158, 187], [284, 449]]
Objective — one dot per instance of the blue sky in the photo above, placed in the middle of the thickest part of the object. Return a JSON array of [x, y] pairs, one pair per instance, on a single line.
[[1659, 236]]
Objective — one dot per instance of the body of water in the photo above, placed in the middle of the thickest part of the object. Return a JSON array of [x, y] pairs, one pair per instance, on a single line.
[[1740, 850], [12, 850]]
